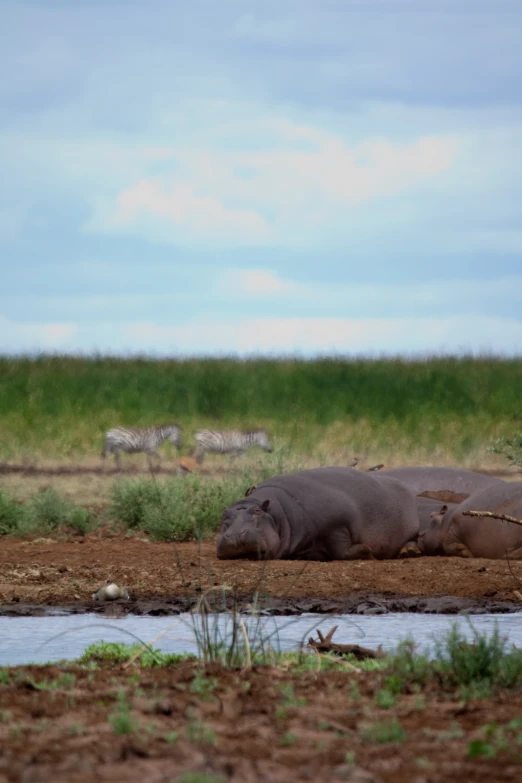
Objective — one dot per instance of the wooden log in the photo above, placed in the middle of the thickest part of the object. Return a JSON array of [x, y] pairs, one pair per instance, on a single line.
[[325, 644]]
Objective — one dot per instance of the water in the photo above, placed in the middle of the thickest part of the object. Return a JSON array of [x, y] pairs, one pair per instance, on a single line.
[[35, 639]]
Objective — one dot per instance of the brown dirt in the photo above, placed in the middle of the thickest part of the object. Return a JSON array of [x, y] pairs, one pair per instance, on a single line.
[[45, 572], [60, 724]]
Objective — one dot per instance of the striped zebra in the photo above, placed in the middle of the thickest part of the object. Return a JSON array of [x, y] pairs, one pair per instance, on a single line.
[[132, 439], [234, 442]]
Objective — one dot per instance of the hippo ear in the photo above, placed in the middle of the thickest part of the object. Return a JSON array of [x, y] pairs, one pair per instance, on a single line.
[[264, 505]]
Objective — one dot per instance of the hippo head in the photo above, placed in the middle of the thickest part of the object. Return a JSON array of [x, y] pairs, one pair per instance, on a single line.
[[248, 530], [430, 540]]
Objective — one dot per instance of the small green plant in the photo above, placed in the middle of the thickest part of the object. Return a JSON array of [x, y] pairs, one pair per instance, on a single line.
[[288, 739], [115, 653], [5, 716], [4, 677], [384, 732], [289, 697], [384, 699], [171, 737], [454, 732], [199, 732], [122, 721], [479, 748], [203, 686], [408, 668]]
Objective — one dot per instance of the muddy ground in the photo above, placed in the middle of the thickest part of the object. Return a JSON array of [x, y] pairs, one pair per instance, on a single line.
[[166, 578], [74, 725]]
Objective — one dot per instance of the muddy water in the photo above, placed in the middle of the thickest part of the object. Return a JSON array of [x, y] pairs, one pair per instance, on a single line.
[[39, 639]]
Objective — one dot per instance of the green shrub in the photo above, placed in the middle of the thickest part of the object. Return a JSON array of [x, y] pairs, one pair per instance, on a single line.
[[511, 448], [13, 515], [175, 510], [462, 662]]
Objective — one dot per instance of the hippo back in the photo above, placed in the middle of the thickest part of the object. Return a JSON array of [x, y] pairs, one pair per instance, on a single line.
[[377, 512], [448, 485]]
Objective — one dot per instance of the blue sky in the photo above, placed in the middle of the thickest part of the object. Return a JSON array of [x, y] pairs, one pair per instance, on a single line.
[[261, 177]]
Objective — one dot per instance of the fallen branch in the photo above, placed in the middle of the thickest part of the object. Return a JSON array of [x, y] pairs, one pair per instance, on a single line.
[[325, 644], [505, 517]]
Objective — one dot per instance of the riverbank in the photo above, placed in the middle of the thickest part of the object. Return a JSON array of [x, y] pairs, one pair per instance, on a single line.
[[106, 717], [165, 578]]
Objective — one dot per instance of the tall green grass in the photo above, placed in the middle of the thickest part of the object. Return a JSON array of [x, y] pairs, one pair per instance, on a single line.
[[60, 406]]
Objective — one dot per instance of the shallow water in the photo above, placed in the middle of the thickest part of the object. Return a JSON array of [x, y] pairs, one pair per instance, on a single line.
[[39, 639]]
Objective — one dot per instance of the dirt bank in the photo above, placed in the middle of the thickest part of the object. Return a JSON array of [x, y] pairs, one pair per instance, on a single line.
[[160, 576], [74, 725]]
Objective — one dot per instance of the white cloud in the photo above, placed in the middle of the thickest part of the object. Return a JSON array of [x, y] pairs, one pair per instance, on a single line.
[[193, 214], [263, 196], [256, 282]]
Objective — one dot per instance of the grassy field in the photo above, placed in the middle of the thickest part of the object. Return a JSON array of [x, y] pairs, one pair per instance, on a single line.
[[439, 410]]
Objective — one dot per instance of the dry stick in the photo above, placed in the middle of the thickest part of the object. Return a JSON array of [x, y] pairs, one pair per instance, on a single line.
[[505, 517], [325, 644]]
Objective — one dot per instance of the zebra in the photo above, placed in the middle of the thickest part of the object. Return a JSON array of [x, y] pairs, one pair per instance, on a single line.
[[234, 442], [132, 439]]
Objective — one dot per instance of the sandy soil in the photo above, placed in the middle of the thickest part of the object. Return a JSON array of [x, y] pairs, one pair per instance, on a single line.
[[65, 725], [161, 576]]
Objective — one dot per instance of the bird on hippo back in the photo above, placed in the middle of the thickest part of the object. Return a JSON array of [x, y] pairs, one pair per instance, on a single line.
[[331, 513], [453, 532]]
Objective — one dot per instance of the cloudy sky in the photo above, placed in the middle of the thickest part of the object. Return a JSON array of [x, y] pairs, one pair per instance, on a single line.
[[269, 176]]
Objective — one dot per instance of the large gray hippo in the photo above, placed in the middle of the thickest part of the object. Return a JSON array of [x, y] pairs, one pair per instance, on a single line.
[[332, 513], [465, 536], [451, 485]]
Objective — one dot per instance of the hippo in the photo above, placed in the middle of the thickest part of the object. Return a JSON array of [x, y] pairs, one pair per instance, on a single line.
[[331, 513], [433, 519], [464, 536], [451, 485]]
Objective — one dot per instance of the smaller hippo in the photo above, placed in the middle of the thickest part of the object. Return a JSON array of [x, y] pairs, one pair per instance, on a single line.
[[331, 513], [430, 515], [485, 536], [434, 521]]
